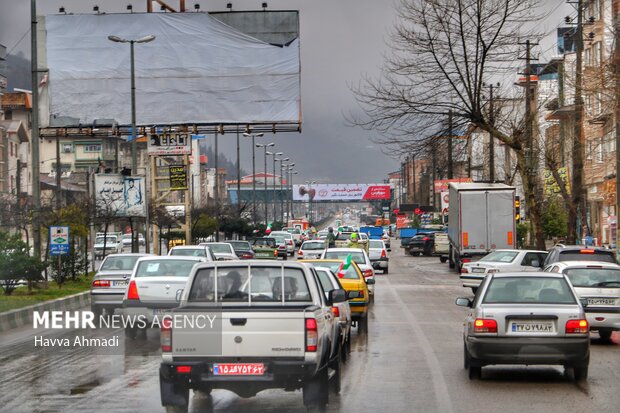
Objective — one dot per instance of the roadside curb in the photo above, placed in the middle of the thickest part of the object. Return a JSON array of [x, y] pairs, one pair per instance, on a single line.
[[23, 316]]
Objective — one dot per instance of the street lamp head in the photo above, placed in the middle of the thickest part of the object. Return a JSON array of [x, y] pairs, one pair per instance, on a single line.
[[291, 164], [269, 153], [117, 39], [271, 144], [285, 159], [146, 39], [279, 153]]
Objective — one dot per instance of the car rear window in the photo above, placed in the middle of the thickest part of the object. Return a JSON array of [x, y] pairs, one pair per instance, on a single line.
[[349, 274], [591, 255], [250, 285], [532, 290], [375, 244], [119, 263], [189, 252], [500, 256], [594, 277], [358, 257], [221, 248], [165, 268], [312, 246], [240, 245]]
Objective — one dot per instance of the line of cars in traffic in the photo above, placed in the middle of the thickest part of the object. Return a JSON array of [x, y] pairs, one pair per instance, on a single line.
[[538, 307], [282, 324]]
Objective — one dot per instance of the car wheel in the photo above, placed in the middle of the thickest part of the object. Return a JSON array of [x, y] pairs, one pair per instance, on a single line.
[[605, 335], [443, 259], [362, 324], [385, 270], [475, 372], [580, 373], [336, 365], [285, 257], [176, 409]]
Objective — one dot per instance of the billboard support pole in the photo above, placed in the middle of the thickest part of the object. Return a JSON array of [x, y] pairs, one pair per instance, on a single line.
[[188, 210]]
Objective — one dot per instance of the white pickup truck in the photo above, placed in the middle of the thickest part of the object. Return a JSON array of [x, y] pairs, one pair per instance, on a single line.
[[247, 326]]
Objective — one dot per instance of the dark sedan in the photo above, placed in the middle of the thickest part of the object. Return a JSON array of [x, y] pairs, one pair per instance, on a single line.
[[421, 244], [243, 249]]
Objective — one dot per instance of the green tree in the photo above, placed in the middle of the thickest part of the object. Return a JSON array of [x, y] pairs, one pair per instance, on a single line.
[[16, 263], [555, 219], [204, 226]]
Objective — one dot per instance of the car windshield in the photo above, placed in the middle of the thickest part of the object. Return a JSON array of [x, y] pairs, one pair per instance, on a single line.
[[189, 252], [279, 239], [587, 255], [594, 277], [500, 256], [528, 290], [108, 240], [127, 236], [313, 246], [240, 245], [119, 263], [165, 268], [375, 244], [265, 285], [221, 248]]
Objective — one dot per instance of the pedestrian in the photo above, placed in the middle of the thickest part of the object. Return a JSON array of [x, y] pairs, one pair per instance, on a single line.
[[330, 239]]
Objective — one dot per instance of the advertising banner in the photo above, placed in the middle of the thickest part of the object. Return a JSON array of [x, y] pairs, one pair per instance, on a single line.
[[178, 177], [169, 144], [59, 241], [445, 198], [341, 192], [119, 195], [441, 185]]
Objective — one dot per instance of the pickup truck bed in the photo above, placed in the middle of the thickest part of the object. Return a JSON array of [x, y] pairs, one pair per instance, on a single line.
[[272, 328]]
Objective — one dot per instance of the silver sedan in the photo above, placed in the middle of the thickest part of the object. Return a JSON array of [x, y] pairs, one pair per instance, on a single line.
[[526, 318]]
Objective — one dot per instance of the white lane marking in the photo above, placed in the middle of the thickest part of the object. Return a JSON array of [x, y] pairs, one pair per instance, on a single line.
[[444, 403]]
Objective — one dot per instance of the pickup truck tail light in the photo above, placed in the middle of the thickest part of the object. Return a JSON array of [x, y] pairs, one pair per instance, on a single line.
[[577, 327], [383, 254], [165, 335], [484, 325], [368, 273], [184, 369], [336, 311], [101, 283], [132, 291], [312, 335]]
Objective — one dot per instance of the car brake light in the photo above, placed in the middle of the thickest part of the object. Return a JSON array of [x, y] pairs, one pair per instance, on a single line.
[[383, 254], [289, 242], [336, 311], [425, 239], [101, 283], [466, 260], [132, 291], [165, 335], [184, 369], [368, 273], [361, 294], [576, 326], [312, 335], [300, 252], [484, 325], [464, 270], [275, 253], [586, 251]]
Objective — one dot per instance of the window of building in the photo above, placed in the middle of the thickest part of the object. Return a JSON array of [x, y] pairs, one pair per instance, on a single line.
[[596, 54], [594, 9], [92, 148], [67, 147]]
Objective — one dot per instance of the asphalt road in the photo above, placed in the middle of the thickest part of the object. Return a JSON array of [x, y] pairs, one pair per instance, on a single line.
[[410, 361]]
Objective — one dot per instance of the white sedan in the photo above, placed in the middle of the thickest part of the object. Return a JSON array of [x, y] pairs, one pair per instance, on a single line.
[[361, 259], [473, 273]]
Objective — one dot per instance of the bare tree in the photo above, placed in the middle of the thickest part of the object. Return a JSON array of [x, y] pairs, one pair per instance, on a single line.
[[443, 53]]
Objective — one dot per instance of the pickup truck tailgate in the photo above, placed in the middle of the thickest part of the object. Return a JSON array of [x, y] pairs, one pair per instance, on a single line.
[[266, 333]]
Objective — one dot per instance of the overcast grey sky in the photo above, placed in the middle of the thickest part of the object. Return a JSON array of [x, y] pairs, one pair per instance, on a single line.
[[341, 40]]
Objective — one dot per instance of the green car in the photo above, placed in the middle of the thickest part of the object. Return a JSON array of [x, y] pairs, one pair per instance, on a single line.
[[265, 248]]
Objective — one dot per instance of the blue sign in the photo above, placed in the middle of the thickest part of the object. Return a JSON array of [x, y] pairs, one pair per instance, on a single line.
[[59, 241]]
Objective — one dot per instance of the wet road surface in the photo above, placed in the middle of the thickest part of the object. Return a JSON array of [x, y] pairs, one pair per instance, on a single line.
[[410, 361]]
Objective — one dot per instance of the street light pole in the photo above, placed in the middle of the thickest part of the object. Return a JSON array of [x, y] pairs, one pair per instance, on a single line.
[[134, 145], [275, 218], [292, 207], [253, 136], [265, 146], [280, 194]]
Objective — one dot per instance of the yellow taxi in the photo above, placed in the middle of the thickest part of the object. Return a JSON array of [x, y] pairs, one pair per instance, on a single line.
[[351, 279]]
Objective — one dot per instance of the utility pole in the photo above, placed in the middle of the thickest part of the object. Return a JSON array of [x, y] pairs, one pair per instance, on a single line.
[[217, 192], [413, 187], [238, 176], [578, 209], [616, 11], [36, 185], [450, 171], [491, 140], [58, 174]]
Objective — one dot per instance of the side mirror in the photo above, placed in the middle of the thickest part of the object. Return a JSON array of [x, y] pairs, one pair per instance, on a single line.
[[178, 296], [353, 294], [370, 281], [337, 296], [535, 264], [584, 302], [464, 302]]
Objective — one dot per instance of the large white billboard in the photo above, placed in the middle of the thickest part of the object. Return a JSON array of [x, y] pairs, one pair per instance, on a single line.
[[121, 196], [196, 70], [341, 192]]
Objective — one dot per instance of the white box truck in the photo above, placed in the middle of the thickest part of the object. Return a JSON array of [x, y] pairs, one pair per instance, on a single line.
[[481, 218]]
